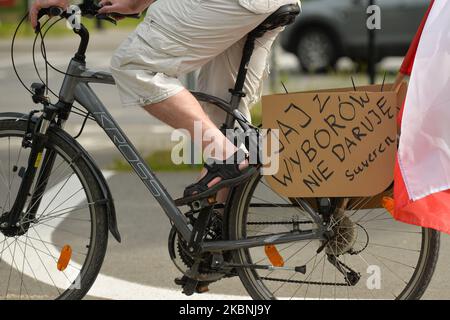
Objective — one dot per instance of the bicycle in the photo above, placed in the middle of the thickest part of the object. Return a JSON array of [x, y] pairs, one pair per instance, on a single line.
[[279, 248]]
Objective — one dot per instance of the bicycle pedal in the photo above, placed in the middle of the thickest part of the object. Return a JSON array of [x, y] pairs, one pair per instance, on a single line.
[[191, 286], [197, 204], [200, 204]]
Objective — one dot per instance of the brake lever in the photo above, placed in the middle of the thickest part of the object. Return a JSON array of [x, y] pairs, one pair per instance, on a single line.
[[51, 11], [102, 16]]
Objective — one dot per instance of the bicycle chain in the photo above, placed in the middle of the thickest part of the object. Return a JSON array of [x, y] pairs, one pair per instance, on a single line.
[[300, 281], [307, 282], [280, 223]]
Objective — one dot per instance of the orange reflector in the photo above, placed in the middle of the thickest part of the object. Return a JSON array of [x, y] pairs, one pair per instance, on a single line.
[[64, 258], [274, 256], [389, 204]]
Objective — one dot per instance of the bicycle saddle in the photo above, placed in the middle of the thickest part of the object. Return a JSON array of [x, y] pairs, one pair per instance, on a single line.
[[284, 16]]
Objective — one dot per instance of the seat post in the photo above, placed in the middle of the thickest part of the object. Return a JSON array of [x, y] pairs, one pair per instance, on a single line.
[[284, 16], [237, 93]]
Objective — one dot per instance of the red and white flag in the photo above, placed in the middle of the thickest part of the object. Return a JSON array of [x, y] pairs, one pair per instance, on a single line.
[[422, 173]]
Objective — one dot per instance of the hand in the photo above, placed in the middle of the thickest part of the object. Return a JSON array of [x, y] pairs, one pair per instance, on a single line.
[[124, 6], [41, 4]]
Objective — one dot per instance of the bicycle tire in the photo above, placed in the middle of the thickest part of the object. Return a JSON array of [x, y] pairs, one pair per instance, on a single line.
[[71, 151]]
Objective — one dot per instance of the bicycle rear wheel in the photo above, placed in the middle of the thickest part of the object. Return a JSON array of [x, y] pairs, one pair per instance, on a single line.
[[380, 257], [59, 251]]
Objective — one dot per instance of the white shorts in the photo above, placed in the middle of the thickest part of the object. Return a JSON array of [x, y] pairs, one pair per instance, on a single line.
[[180, 36]]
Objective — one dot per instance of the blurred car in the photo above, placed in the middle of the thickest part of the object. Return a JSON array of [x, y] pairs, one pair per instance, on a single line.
[[327, 30]]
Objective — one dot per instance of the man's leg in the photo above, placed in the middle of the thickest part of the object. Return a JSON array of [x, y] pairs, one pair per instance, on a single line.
[[177, 37], [183, 111], [219, 75]]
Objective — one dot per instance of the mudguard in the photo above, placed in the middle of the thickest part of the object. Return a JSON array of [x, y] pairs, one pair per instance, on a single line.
[[109, 203]]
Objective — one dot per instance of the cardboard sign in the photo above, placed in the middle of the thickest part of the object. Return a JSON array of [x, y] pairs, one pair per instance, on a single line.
[[334, 143]]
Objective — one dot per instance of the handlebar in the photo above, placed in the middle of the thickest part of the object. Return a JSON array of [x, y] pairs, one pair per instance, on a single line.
[[88, 10], [52, 11]]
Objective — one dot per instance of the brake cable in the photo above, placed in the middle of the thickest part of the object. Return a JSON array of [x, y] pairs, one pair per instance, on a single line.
[[79, 111], [34, 61], [12, 53]]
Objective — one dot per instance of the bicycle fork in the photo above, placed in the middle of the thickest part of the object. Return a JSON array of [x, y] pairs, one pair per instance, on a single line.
[[12, 220]]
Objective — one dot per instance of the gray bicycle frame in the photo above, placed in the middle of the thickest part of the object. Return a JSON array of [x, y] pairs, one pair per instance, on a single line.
[[76, 87]]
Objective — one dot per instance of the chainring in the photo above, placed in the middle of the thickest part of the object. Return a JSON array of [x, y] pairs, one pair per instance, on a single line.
[[178, 246]]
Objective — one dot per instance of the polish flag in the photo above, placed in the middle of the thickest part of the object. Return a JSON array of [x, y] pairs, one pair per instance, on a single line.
[[422, 173]]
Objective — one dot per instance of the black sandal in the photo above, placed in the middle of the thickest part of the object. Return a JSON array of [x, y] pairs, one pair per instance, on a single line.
[[227, 170]]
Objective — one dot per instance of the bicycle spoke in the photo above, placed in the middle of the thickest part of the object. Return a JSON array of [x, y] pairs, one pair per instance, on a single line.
[[50, 254], [2, 176], [10, 270], [46, 270], [394, 231], [360, 221], [55, 245], [65, 201], [395, 274], [309, 275], [59, 228], [60, 213], [9, 172], [47, 180], [23, 268], [56, 195], [31, 269], [391, 247]]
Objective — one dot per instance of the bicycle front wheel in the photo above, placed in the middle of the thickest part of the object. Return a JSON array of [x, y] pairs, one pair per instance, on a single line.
[[371, 256], [61, 242]]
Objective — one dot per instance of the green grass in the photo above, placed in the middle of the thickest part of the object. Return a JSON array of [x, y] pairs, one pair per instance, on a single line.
[[256, 113], [158, 161], [9, 22]]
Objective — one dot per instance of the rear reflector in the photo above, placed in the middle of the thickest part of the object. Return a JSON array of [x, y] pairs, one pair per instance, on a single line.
[[274, 256]]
